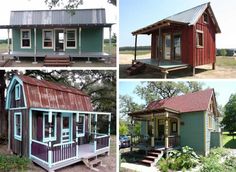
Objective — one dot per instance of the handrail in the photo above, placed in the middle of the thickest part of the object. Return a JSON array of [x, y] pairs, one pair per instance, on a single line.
[[98, 133], [61, 144], [36, 141], [102, 136]]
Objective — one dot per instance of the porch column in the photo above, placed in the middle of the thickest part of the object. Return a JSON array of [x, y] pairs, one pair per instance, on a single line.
[[166, 131], [152, 138], [35, 46], [159, 46], [109, 132], [50, 138], [77, 139], [135, 47], [109, 40], [80, 40], [8, 41], [95, 133], [213, 66], [9, 131], [131, 134]]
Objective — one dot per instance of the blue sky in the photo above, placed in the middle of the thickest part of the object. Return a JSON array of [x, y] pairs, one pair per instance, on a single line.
[[223, 89], [135, 14]]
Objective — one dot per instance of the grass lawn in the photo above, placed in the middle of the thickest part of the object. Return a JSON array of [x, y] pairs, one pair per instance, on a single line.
[[225, 61], [228, 141], [113, 48], [139, 52]]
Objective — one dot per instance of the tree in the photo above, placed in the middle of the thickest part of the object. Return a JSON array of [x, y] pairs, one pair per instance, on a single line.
[[223, 52], [229, 120], [3, 113], [150, 91], [123, 128]]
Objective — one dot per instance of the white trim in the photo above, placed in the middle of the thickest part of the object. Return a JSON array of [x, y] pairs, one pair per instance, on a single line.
[[45, 162], [201, 32], [80, 30], [18, 108], [61, 144], [17, 137], [36, 141], [81, 134], [70, 126], [55, 29], [23, 30], [102, 149], [17, 91], [47, 30], [46, 139], [58, 162], [75, 30]]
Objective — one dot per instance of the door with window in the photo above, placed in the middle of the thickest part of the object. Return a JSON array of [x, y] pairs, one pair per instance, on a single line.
[[167, 46], [177, 46], [66, 128], [59, 40]]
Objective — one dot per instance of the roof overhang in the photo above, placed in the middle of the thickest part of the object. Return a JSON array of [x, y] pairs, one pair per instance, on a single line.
[[152, 111]]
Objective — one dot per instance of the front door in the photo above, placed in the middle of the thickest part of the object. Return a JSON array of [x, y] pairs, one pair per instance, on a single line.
[[177, 47], [66, 129], [167, 46], [161, 129], [59, 40]]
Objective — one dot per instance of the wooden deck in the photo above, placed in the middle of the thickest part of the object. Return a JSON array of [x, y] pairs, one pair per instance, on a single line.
[[164, 65]]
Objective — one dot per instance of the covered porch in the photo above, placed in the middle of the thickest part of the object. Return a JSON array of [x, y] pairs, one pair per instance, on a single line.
[[60, 138], [160, 129]]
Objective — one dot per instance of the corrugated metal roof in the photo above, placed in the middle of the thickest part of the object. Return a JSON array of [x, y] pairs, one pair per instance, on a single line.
[[58, 17], [190, 17], [44, 94]]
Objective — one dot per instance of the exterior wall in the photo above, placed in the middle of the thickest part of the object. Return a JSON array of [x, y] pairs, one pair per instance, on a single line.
[[16, 103], [144, 131], [91, 41], [20, 147], [216, 139], [192, 131]]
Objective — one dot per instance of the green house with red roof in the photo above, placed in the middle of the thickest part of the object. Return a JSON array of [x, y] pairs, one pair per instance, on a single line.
[[187, 120]]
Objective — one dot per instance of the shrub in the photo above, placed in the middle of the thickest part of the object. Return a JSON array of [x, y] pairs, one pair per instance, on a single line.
[[13, 162], [230, 164]]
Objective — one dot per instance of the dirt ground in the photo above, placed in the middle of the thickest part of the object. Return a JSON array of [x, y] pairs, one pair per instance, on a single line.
[[202, 72], [109, 161]]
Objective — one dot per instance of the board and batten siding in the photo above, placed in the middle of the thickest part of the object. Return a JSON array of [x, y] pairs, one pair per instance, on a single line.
[[91, 41], [192, 131], [17, 103]]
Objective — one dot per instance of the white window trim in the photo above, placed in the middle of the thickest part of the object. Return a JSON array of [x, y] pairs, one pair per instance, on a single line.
[[46, 139], [200, 46], [18, 137], [17, 93], [75, 47], [82, 134], [51, 30], [22, 30]]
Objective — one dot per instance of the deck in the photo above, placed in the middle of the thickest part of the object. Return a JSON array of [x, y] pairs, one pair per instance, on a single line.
[[164, 65]]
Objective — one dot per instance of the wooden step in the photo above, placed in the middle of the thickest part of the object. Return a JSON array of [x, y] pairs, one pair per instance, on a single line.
[[151, 158], [153, 154], [57, 64], [146, 162], [157, 150], [95, 162]]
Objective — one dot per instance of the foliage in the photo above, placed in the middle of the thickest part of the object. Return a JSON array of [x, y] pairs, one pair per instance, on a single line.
[[132, 48], [225, 52], [229, 120], [137, 128], [186, 158], [13, 162], [151, 90], [228, 141], [230, 164], [123, 128]]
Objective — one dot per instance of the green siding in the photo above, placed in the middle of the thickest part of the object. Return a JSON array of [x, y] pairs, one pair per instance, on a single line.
[[92, 40], [216, 140], [192, 131]]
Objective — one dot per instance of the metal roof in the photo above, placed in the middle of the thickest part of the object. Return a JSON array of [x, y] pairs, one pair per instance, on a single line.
[[45, 94], [189, 17], [78, 17]]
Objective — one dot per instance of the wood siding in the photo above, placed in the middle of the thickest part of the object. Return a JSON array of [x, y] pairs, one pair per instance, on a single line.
[[16, 103]]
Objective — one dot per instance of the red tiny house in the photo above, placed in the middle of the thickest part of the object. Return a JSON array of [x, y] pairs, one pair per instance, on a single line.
[[182, 40]]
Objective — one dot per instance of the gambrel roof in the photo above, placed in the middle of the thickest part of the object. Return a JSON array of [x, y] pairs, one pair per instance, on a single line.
[[188, 17], [49, 95]]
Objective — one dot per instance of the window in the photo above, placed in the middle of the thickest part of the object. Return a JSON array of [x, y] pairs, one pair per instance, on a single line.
[[209, 121], [47, 39], [81, 126], [17, 92], [25, 38], [200, 39], [71, 38], [174, 127], [17, 126], [205, 17], [46, 127]]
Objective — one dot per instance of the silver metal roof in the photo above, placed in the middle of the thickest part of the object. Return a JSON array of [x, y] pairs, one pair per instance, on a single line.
[[58, 17]]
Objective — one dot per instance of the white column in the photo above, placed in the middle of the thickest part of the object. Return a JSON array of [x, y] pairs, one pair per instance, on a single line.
[[110, 40], [8, 40], [152, 138], [77, 139], [135, 47], [35, 46], [95, 133], [50, 139], [166, 130], [80, 29]]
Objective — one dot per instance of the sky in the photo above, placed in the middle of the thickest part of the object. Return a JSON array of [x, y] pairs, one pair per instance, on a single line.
[[223, 89], [10, 5], [135, 14]]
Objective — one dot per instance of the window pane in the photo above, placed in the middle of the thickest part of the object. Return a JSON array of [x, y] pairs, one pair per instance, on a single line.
[[81, 125], [70, 43], [70, 35], [25, 35], [46, 126], [65, 122], [200, 39], [47, 44], [25, 42]]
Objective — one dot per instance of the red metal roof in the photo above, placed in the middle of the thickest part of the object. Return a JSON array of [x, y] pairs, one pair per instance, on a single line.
[[45, 94], [190, 102]]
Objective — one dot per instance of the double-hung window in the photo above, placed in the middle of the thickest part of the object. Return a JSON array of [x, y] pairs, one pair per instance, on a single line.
[[18, 126], [47, 39], [46, 127], [71, 38], [17, 92], [25, 38], [81, 126], [199, 38]]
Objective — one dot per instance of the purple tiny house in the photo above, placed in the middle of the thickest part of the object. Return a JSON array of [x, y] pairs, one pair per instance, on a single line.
[[54, 125]]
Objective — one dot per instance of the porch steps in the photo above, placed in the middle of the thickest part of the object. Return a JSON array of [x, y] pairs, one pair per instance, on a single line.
[[135, 68], [153, 156], [91, 163], [57, 61]]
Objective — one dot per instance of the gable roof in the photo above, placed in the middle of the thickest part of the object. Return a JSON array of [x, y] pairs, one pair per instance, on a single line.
[[59, 18], [49, 95], [188, 17], [190, 102]]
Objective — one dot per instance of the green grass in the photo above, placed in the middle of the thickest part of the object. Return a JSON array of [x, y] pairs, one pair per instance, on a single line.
[[139, 52], [113, 48], [228, 141], [225, 61], [3, 47]]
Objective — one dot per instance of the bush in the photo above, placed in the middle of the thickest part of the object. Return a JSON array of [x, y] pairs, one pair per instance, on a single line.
[[13, 162], [230, 164]]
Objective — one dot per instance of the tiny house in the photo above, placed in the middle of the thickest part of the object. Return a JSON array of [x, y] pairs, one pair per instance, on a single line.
[[54, 125], [181, 40]]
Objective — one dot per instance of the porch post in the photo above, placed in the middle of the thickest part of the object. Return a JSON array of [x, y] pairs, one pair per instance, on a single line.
[[50, 138], [77, 140], [95, 133], [166, 131], [30, 132], [35, 46], [131, 134], [152, 138], [109, 132], [135, 47], [9, 131], [8, 40], [109, 40], [159, 46], [80, 39]]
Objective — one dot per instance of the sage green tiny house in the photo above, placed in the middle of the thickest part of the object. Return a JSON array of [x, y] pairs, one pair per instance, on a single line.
[[76, 33], [188, 120]]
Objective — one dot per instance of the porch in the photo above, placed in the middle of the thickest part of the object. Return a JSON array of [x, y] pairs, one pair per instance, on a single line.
[[59, 139]]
